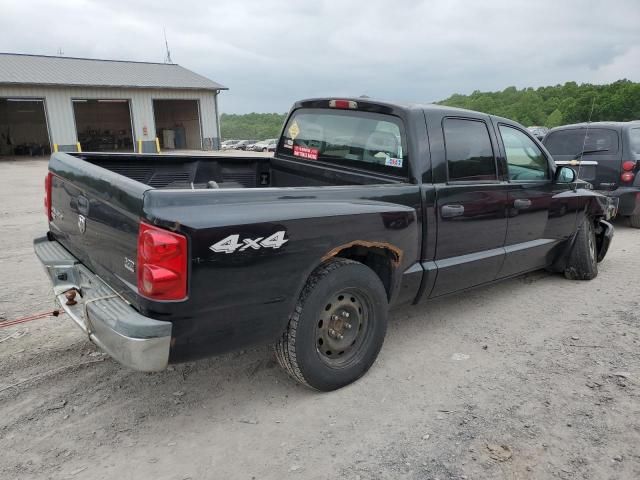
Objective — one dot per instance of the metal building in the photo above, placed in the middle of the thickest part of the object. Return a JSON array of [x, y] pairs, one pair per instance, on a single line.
[[71, 104]]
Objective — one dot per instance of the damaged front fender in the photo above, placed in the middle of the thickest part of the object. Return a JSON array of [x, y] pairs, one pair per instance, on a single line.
[[599, 205], [604, 235]]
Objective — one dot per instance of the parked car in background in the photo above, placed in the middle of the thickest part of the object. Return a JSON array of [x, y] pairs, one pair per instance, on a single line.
[[605, 154], [272, 146], [538, 132], [228, 144], [263, 146], [365, 205], [244, 144]]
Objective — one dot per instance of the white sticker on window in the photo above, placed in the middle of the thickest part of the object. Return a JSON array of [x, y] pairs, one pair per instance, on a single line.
[[393, 162]]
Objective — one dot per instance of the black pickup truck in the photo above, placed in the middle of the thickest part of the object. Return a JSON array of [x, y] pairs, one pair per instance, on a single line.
[[365, 205]]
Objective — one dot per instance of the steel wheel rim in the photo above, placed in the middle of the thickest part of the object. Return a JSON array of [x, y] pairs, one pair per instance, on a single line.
[[342, 327]]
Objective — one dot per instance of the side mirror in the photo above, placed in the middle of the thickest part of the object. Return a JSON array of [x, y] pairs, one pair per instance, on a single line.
[[566, 175]]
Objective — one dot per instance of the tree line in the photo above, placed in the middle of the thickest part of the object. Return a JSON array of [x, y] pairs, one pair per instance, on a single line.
[[557, 105], [251, 126], [544, 106]]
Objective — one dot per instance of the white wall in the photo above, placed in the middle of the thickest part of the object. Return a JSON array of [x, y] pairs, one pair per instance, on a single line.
[[61, 120]]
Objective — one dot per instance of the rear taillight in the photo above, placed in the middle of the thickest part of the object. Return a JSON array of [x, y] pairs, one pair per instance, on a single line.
[[627, 177], [628, 166], [162, 263], [47, 195], [628, 174]]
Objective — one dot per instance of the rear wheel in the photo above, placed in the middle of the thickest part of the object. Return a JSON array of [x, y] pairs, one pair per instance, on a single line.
[[337, 328], [634, 221], [583, 263]]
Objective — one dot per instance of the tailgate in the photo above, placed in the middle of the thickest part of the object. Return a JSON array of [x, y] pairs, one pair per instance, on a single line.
[[95, 214]]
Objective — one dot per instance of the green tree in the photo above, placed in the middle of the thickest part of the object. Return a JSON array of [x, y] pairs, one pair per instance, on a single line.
[[554, 119], [554, 105], [251, 126]]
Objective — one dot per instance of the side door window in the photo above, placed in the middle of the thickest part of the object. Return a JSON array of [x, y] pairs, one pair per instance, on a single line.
[[468, 151], [525, 160]]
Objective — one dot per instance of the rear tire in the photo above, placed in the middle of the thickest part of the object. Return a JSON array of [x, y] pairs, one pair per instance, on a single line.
[[583, 264], [634, 221], [337, 327]]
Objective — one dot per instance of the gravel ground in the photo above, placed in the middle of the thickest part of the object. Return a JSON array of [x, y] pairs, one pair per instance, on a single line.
[[537, 377]]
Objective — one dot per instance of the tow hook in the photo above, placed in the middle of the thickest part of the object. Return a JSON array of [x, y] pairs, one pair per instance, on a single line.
[[71, 296]]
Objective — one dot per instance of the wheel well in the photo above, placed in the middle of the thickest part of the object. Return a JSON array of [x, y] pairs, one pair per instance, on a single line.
[[379, 259]]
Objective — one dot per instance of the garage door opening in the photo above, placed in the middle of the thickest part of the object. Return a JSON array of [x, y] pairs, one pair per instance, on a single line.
[[23, 127], [103, 125], [178, 124]]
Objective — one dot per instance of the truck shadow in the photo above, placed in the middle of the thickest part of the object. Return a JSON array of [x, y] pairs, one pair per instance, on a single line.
[[253, 375]]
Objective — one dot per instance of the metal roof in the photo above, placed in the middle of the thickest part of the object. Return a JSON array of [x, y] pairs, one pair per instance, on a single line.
[[20, 69]]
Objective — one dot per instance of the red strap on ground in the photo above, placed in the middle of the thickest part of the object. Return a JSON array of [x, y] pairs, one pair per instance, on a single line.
[[9, 323]]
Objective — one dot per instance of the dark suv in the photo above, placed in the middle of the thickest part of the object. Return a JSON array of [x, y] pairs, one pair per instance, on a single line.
[[605, 154]]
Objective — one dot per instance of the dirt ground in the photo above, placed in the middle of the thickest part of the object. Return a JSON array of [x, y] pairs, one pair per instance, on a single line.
[[537, 377]]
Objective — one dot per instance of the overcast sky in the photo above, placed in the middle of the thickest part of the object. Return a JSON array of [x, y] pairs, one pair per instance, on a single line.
[[272, 52]]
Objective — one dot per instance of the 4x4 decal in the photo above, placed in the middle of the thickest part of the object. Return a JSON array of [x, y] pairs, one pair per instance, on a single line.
[[232, 243]]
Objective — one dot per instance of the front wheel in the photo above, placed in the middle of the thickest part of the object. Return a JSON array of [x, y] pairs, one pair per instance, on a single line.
[[337, 327], [583, 259]]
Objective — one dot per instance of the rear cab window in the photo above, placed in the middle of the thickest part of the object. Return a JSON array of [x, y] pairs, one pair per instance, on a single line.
[[349, 138], [570, 142]]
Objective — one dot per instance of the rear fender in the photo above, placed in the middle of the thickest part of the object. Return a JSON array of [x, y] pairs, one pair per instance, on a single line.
[[244, 293]]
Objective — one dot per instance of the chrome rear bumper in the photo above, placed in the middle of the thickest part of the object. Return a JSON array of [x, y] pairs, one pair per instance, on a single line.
[[136, 341]]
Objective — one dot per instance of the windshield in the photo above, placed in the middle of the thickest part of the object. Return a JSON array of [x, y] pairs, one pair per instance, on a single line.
[[598, 141], [350, 138]]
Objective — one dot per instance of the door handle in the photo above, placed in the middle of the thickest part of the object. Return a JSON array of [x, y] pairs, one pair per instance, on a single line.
[[521, 203], [450, 211]]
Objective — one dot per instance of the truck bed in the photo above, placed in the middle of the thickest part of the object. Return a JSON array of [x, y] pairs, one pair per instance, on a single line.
[[215, 172]]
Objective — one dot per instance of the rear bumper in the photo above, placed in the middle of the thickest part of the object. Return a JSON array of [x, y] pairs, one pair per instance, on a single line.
[[628, 200], [136, 341]]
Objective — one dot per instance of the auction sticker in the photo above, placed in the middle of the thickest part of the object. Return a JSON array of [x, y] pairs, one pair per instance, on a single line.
[[393, 162], [305, 152]]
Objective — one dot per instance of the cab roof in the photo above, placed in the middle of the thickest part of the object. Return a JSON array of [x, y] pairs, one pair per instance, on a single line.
[[407, 106]]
